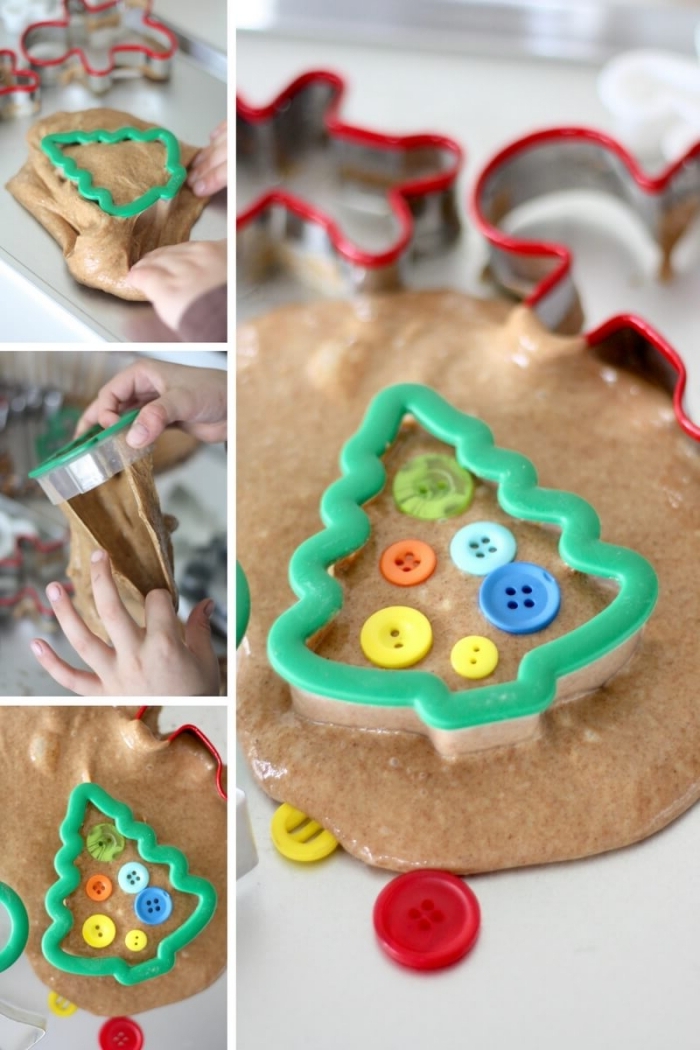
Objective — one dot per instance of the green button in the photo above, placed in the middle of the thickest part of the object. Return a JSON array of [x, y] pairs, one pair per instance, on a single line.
[[433, 487], [104, 842]]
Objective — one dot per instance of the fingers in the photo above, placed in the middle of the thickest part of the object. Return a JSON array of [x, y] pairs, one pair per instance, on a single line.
[[91, 649], [133, 386], [219, 130], [120, 627], [209, 172], [198, 630], [161, 617], [175, 406], [80, 682]]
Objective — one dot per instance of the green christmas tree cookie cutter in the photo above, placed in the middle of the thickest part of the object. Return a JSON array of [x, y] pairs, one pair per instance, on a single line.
[[19, 926], [69, 880], [51, 145], [348, 529]]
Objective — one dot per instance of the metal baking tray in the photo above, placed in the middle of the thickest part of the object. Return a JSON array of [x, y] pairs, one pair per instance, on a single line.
[[190, 104]]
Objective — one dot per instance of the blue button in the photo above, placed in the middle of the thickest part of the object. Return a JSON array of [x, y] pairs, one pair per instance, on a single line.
[[153, 905], [482, 546], [520, 598], [133, 877]]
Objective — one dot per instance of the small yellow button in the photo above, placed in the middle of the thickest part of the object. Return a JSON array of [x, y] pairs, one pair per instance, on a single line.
[[99, 931], [299, 838], [474, 657], [396, 637], [136, 940], [60, 1006]]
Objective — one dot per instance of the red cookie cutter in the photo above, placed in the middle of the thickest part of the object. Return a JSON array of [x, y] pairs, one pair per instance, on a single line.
[[204, 739], [301, 129], [20, 90], [56, 50], [581, 158], [22, 573]]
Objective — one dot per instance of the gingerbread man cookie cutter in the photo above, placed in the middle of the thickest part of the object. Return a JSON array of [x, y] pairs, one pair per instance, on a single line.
[[565, 158], [20, 89], [28, 561], [122, 35], [397, 191]]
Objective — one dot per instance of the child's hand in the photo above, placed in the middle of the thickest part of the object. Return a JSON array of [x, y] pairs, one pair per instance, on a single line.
[[142, 661], [208, 169], [193, 398], [173, 277]]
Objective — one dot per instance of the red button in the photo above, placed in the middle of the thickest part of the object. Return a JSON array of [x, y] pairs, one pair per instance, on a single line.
[[120, 1033], [427, 919]]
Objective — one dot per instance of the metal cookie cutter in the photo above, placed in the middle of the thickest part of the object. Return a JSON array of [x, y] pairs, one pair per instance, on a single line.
[[566, 158], [120, 34], [88, 461], [29, 559], [23, 1028], [20, 90], [203, 739], [341, 205]]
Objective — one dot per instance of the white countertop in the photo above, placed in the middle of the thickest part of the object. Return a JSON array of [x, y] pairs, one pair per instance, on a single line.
[[598, 953]]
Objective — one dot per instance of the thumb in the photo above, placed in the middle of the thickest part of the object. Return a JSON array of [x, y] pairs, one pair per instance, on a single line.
[[172, 407], [198, 631]]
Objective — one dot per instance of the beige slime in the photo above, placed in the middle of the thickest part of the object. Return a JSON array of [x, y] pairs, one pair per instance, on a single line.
[[44, 753], [604, 770]]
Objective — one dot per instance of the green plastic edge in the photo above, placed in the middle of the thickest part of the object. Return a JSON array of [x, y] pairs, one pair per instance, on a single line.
[[51, 145], [242, 604], [348, 528], [76, 448], [19, 926], [69, 880]]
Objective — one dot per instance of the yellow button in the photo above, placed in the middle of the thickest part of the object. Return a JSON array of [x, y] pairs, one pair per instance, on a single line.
[[299, 838], [474, 657], [60, 1006], [396, 637], [136, 940], [99, 931]]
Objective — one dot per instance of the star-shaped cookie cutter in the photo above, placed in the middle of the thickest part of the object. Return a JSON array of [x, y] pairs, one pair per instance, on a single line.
[[20, 90], [56, 49], [301, 130], [565, 158], [471, 719]]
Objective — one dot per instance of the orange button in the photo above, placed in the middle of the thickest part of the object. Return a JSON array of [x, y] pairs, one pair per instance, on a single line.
[[408, 562], [98, 888]]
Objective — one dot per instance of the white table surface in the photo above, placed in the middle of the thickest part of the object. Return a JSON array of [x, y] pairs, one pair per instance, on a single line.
[[597, 953]]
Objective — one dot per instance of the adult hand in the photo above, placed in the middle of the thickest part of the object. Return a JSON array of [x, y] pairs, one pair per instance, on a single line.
[[193, 398], [208, 171], [141, 661], [174, 276]]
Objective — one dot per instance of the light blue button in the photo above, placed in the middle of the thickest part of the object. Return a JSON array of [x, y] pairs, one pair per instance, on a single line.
[[153, 905], [133, 877], [482, 546], [520, 598]]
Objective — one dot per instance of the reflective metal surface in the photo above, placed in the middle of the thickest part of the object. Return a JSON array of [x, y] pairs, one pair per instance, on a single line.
[[588, 32], [40, 299]]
